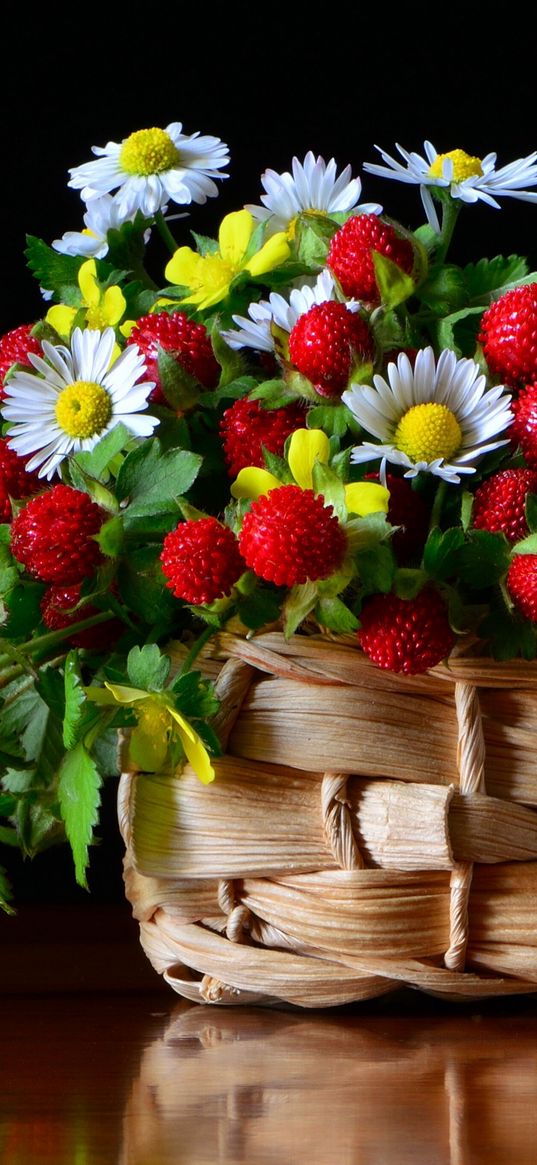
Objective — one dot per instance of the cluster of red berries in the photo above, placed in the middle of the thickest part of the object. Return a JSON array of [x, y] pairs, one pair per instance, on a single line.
[[187, 342]]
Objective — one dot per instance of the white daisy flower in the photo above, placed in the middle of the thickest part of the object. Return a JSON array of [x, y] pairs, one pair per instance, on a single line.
[[75, 396], [313, 186], [151, 167], [437, 417], [469, 179], [102, 215], [256, 332]]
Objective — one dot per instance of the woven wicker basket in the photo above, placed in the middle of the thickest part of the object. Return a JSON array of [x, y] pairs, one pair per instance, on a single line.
[[365, 830]]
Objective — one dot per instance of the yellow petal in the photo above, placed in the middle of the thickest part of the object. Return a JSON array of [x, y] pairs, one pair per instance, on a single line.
[[114, 304], [366, 497], [275, 251], [126, 695], [253, 483], [195, 750], [305, 448], [87, 282], [126, 328], [61, 319], [183, 267], [234, 235]]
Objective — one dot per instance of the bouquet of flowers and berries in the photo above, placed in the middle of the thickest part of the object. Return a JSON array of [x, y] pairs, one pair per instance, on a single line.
[[315, 422]]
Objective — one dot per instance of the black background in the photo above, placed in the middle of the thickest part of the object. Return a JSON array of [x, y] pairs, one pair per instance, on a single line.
[[271, 81]]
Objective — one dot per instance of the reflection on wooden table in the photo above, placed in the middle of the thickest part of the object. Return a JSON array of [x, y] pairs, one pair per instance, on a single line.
[[261, 1087]]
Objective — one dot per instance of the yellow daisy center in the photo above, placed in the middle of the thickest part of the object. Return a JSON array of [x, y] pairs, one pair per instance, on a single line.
[[428, 431], [464, 166], [148, 151], [83, 409]]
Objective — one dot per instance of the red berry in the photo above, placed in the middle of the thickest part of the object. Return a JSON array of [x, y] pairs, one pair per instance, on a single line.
[[406, 635], [57, 611], [350, 254], [15, 481], [14, 349], [53, 536], [289, 536], [522, 584], [500, 503], [246, 427], [189, 343], [524, 428], [408, 511], [509, 335], [326, 342], [201, 560]]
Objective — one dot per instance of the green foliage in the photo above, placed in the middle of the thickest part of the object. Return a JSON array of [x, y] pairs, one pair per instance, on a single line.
[[79, 786], [53, 271], [441, 553], [484, 559], [147, 668]]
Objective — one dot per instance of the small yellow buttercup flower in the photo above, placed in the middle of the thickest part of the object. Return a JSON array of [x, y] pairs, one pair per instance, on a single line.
[[102, 309]]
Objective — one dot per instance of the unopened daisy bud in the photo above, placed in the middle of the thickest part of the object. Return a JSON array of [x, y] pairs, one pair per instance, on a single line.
[[53, 536], [201, 561]]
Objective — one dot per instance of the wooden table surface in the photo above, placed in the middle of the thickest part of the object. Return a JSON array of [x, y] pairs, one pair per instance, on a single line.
[[134, 1076]]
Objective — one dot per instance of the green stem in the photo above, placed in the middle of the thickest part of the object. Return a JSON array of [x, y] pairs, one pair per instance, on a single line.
[[43, 643], [437, 505], [197, 647], [165, 232], [450, 212]]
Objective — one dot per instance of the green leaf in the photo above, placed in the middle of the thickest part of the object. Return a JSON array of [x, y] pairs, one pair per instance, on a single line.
[[79, 797], [467, 505], [5, 893], [334, 420], [23, 604], [9, 836], [408, 582], [526, 546], [365, 533], [445, 290], [274, 393], [300, 601], [312, 238], [143, 589], [484, 559], [258, 609], [95, 462], [278, 466], [147, 668], [394, 284], [441, 552], [126, 245], [54, 271], [336, 616], [209, 737], [531, 512], [330, 485], [231, 361], [181, 390], [458, 331], [150, 479], [376, 569], [205, 245], [111, 537], [231, 390], [75, 700], [194, 696], [487, 276], [508, 635]]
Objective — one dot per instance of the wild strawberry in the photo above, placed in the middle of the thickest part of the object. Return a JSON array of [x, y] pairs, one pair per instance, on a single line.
[[201, 560], [500, 503], [509, 335], [408, 511], [524, 428], [15, 481], [246, 427], [406, 635], [53, 536], [350, 254], [14, 349], [522, 584], [57, 611], [289, 536], [326, 342], [189, 344]]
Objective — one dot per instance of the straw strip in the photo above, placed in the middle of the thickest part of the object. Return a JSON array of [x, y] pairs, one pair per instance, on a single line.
[[337, 821], [471, 764]]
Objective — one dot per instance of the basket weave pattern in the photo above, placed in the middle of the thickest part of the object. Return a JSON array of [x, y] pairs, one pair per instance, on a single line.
[[366, 830]]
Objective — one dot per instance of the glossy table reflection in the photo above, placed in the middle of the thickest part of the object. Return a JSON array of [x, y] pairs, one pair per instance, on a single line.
[[145, 1079]]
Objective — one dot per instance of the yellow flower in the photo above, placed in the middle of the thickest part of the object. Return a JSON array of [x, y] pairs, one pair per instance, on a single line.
[[306, 447], [158, 723], [103, 309], [209, 276]]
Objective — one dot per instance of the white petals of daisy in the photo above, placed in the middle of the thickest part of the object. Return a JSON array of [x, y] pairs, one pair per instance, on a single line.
[[436, 417], [256, 332], [468, 179], [152, 167], [102, 215], [74, 397], [313, 185]]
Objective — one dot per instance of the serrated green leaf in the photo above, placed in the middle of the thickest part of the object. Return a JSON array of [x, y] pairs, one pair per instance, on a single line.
[[441, 552], [142, 587], [274, 393], [484, 559], [205, 245], [394, 284], [492, 275], [312, 239], [147, 668], [126, 244], [232, 390], [508, 635], [95, 462], [376, 569], [458, 330], [208, 737], [334, 420], [23, 608], [445, 290], [231, 361], [150, 478], [278, 466], [300, 601], [54, 271], [336, 616], [365, 533], [526, 546], [194, 696], [330, 485], [75, 700], [111, 537], [79, 786], [37, 827]]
